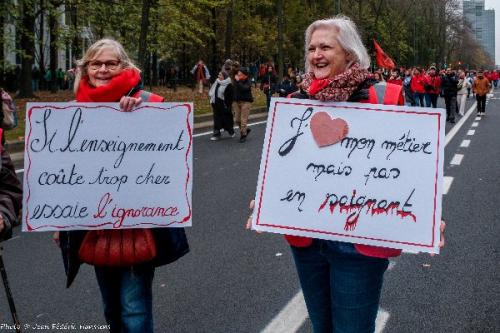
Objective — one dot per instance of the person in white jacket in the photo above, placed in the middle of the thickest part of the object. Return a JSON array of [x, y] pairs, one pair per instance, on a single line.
[[463, 85]]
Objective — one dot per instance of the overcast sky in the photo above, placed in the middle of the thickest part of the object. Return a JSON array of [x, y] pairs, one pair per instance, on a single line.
[[495, 4]]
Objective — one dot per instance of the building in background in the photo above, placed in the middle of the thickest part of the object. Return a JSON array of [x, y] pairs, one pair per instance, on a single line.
[[482, 23]]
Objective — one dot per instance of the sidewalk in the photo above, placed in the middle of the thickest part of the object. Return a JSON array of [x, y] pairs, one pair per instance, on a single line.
[[202, 123]]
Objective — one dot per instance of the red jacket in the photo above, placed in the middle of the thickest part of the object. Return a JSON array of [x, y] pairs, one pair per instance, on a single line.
[[434, 82], [399, 82], [417, 84], [392, 94]]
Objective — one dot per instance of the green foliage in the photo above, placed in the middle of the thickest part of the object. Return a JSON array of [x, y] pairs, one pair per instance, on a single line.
[[411, 32]]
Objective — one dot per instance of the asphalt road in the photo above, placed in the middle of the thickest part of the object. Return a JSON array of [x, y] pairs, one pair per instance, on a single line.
[[237, 281]]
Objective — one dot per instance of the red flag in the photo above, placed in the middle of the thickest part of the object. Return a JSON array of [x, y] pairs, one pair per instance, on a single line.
[[383, 60]]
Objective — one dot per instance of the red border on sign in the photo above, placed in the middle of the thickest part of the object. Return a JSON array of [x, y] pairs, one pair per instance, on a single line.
[[188, 175], [369, 109]]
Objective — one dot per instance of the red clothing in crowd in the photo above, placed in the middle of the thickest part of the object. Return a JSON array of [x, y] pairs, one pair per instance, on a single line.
[[434, 81], [417, 84], [494, 76], [399, 82]]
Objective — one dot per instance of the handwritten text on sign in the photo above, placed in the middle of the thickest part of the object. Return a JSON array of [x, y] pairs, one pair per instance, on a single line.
[[90, 166], [359, 173]]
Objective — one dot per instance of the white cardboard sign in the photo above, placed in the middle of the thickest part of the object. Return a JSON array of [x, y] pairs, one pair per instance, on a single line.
[[359, 173], [90, 166]]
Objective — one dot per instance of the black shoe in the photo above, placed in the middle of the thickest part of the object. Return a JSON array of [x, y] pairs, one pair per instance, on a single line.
[[248, 131], [452, 121], [243, 139], [215, 137]]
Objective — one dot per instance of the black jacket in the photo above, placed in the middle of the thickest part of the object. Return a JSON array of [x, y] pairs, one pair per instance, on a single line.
[[449, 85], [11, 195], [243, 91]]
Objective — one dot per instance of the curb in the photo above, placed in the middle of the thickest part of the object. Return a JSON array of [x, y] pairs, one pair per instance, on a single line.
[[202, 123]]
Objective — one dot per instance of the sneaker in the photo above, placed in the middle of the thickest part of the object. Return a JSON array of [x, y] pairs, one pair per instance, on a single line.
[[248, 131], [232, 135], [215, 137], [243, 139]]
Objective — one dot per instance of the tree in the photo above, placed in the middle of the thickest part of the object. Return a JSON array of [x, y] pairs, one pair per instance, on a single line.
[[26, 10]]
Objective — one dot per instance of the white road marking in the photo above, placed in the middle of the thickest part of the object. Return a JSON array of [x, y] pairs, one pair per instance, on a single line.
[[465, 143], [235, 127], [458, 125], [294, 314], [471, 132], [457, 159], [477, 118], [290, 318], [474, 124], [381, 321], [447, 184]]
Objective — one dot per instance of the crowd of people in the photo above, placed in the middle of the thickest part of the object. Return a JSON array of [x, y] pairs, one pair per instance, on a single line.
[[421, 87]]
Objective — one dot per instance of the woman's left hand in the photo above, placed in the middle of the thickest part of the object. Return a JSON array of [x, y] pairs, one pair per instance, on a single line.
[[441, 235], [127, 103], [441, 238]]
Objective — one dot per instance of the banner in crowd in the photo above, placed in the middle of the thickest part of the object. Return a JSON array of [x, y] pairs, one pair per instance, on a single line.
[[360, 173], [91, 166]]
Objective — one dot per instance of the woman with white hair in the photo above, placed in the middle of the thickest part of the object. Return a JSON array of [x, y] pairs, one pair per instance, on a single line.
[[341, 282]]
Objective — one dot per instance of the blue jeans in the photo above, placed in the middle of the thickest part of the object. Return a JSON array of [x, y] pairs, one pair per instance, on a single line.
[[431, 100], [127, 297], [341, 287], [419, 99]]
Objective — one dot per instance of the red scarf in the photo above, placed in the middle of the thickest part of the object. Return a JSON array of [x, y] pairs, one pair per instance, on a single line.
[[338, 88], [120, 85]]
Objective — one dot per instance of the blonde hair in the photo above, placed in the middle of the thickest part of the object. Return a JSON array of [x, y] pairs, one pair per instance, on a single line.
[[95, 50], [347, 36]]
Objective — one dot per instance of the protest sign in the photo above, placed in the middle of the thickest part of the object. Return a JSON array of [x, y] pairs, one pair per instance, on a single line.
[[360, 173], [90, 166]]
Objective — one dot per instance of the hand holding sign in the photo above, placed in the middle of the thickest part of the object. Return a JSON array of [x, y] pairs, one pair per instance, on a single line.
[[127, 103]]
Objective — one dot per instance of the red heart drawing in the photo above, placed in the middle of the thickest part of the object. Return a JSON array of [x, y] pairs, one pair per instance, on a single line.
[[327, 131]]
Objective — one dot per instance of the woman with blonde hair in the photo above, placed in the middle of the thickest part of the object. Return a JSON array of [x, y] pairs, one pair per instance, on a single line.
[[106, 74]]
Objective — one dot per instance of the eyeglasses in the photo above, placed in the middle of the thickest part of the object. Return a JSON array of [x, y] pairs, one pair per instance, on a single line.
[[110, 64]]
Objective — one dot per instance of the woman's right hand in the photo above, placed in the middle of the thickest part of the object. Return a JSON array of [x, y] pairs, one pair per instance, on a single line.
[[127, 103], [55, 238]]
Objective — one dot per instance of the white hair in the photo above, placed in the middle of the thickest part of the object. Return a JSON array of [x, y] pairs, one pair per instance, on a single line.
[[347, 36]]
